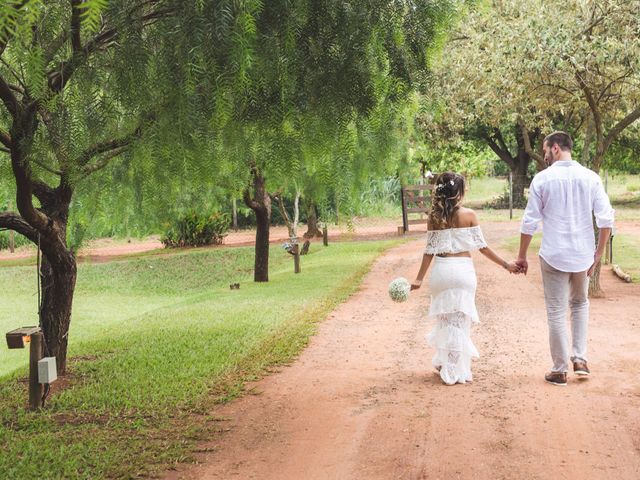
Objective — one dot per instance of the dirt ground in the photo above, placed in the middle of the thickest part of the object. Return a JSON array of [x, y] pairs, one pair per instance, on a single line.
[[103, 250], [362, 401]]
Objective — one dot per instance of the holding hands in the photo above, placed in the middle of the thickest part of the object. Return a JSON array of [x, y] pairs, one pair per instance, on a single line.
[[513, 267], [522, 264]]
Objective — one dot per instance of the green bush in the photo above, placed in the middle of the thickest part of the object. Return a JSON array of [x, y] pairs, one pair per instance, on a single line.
[[19, 240], [633, 187], [195, 230]]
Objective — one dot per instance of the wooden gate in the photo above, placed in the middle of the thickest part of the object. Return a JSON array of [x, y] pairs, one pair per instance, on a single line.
[[415, 199]]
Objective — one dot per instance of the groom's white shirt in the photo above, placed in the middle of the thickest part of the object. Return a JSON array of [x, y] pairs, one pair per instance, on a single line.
[[563, 197]]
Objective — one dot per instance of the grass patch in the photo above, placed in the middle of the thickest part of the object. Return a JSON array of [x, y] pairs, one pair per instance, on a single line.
[[155, 342], [484, 190], [626, 253]]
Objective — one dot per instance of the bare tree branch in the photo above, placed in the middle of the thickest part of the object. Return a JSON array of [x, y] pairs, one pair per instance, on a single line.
[[527, 145], [47, 168], [105, 147], [593, 105], [15, 222], [8, 98], [620, 126], [498, 150], [104, 161], [5, 139], [76, 42]]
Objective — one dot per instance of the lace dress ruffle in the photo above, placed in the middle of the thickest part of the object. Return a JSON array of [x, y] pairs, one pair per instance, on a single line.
[[454, 240], [453, 285]]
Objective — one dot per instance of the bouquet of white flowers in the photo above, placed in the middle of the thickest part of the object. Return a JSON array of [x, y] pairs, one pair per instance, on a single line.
[[399, 289]]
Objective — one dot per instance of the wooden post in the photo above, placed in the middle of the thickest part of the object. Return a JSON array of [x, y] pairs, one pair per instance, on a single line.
[[405, 218], [235, 216], [12, 241], [510, 195], [296, 258], [325, 235], [35, 355]]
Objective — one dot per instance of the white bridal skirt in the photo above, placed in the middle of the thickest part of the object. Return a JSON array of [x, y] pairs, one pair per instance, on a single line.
[[452, 283]]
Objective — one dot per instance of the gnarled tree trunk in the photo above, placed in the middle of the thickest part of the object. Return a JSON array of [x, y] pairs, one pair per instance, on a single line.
[[58, 275], [312, 221]]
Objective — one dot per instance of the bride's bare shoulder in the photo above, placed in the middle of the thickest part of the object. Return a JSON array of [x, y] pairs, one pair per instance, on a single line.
[[466, 218]]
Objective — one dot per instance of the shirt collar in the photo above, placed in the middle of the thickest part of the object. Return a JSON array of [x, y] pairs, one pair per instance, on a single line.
[[564, 163]]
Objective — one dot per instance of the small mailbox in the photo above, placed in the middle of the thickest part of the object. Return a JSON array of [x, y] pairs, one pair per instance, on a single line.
[[21, 337], [47, 370]]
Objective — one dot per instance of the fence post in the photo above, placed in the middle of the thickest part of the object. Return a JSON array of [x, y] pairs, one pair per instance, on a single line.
[[510, 195], [405, 218], [12, 238], [296, 258], [35, 355], [235, 216], [325, 235]]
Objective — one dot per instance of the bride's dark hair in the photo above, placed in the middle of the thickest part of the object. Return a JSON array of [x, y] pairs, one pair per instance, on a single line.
[[446, 198]]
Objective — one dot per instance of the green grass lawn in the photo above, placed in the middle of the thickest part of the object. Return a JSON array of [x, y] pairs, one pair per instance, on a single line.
[[626, 251], [155, 342], [484, 190]]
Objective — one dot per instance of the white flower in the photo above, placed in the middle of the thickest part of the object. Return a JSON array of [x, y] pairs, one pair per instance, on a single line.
[[451, 182], [399, 289]]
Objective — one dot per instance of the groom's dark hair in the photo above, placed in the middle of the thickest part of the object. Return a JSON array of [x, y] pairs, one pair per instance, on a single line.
[[562, 139]]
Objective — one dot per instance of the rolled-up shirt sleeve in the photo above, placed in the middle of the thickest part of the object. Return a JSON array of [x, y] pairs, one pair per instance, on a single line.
[[602, 209], [533, 212]]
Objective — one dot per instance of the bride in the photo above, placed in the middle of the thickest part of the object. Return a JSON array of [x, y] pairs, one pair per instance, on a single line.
[[453, 233]]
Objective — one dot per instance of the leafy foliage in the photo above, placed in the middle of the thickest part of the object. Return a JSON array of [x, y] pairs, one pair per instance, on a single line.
[[196, 230]]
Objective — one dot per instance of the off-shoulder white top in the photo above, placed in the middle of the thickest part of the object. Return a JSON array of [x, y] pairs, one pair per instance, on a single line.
[[454, 240]]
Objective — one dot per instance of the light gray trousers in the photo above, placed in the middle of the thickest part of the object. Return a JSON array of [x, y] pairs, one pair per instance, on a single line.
[[561, 291]]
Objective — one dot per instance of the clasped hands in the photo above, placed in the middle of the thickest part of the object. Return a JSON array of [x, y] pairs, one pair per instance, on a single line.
[[519, 266]]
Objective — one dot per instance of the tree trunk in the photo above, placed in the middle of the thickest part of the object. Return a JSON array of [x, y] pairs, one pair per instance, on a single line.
[[58, 285], [312, 222], [261, 265], [58, 277], [520, 180], [595, 290], [260, 203]]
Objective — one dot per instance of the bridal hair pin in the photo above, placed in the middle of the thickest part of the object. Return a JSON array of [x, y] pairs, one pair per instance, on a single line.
[[440, 186]]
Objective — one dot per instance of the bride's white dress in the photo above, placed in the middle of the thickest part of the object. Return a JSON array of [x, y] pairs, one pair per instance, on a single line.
[[452, 283]]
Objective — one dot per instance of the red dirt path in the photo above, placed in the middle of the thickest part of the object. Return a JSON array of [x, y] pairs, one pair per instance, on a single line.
[[362, 402]]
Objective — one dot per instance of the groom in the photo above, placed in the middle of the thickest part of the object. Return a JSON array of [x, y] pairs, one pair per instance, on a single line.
[[563, 197]]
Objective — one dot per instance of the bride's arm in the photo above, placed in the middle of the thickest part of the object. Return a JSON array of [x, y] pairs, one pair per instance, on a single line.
[[424, 266]]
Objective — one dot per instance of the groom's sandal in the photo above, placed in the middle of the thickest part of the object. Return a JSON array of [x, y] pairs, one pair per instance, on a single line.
[[556, 378], [580, 368]]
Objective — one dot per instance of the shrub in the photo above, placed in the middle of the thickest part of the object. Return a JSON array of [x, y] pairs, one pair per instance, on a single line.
[[195, 230], [633, 187], [19, 240]]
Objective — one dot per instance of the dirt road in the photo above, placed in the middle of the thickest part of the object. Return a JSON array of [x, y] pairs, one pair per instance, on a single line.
[[362, 401]]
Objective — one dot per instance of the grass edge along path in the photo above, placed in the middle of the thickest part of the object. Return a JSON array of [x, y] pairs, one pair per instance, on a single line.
[[83, 436]]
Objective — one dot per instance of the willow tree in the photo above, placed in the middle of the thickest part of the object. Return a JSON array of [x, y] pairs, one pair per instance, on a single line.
[[311, 62], [81, 84]]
